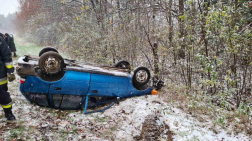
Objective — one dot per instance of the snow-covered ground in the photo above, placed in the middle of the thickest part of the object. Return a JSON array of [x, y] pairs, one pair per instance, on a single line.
[[122, 121]]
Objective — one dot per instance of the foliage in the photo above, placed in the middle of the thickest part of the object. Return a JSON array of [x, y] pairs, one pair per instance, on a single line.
[[200, 43]]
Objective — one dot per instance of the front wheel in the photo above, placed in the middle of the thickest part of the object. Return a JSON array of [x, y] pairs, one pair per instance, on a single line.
[[141, 77], [123, 65]]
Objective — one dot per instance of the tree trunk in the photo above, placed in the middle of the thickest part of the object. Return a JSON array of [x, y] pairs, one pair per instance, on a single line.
[[155, 55]]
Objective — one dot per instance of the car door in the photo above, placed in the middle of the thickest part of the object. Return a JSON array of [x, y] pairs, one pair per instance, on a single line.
[[108, 85], [70, 91], [36, 91]]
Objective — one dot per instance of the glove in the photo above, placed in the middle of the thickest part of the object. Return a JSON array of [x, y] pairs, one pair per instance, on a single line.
[[11, 77]]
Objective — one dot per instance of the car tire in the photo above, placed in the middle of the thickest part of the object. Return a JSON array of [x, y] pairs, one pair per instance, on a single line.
[[140, 77], [51, 63], [47, 49], [123, 65]]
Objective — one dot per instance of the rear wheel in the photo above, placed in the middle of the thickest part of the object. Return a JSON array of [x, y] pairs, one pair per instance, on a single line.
[[51, 66], [47, 49], [141, 77]]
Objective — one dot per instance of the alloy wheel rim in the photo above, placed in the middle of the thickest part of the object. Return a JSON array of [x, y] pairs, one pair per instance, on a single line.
[[141, 76]]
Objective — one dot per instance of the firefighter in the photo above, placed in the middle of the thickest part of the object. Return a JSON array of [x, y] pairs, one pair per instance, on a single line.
[[10, 42], [6, 71]]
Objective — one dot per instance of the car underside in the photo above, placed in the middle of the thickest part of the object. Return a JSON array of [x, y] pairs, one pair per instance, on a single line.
[[54, 82]]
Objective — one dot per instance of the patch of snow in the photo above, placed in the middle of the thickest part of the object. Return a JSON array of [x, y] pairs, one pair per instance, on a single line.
[[30, 62], [187, 127]]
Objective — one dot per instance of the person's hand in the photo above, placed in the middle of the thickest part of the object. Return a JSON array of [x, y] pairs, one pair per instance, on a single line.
[[11, 77]]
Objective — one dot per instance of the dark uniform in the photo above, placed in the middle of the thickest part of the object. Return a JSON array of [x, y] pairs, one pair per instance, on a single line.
[[9, 39], [6, 70]]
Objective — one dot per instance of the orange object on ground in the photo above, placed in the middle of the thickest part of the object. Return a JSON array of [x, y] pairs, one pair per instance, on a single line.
[[154, 92]]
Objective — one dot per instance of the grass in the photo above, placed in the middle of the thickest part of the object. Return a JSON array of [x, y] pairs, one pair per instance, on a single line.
[[101, 119], [24, 48], [17, 132]]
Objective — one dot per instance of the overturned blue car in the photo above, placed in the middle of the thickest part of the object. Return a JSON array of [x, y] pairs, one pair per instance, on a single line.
[[54, 82]]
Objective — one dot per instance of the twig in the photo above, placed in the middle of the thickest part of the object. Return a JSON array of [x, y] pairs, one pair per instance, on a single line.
[[245, 27], [148, 37]]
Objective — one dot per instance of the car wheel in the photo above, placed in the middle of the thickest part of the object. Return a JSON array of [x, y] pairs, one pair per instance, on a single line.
[[123, 65], [47, 49], [141, 77], [51, 63]]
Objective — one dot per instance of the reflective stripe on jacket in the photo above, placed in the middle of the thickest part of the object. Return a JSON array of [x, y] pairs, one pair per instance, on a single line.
[[9, 105], [3, 80], [9, 65]]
